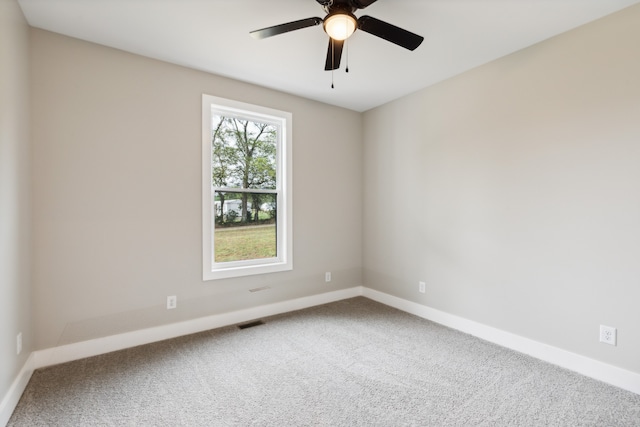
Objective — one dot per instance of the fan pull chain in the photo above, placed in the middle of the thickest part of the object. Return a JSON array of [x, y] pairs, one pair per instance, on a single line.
[[346, 42], [333, 57]]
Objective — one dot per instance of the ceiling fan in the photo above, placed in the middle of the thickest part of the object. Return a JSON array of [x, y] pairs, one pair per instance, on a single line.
[[340, 23]]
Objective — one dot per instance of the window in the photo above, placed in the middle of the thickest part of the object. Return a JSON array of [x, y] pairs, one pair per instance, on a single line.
[[246, 189]]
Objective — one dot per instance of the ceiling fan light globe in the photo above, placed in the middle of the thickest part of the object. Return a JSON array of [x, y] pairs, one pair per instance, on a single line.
[[340, 26]]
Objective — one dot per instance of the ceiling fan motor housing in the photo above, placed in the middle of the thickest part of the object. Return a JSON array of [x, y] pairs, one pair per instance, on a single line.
[[352, 4], [361, 4]]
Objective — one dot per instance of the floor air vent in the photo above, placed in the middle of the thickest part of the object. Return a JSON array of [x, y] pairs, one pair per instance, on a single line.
[[251, 324]]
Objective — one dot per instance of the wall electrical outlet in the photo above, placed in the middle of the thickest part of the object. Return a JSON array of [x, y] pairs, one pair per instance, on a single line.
[[19, 343], [422, 287], [172, 302], [327, 276], [608, 334]]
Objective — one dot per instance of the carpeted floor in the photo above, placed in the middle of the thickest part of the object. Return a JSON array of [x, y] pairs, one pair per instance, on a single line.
[[349, 363]]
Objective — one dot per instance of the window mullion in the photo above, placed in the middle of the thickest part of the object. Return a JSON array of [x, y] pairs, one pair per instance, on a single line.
[[244, 190]]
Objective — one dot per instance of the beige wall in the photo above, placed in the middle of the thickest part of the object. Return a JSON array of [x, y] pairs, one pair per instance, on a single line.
[[117, 209], [15, 310], [513, 190]]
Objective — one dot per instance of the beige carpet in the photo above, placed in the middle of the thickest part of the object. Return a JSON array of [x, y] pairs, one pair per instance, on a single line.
[[350, 363]]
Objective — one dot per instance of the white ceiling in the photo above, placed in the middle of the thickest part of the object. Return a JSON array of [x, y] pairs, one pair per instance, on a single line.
[[213, 36]]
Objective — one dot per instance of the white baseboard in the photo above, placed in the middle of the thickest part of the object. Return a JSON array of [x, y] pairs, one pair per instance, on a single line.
[[11, 399], [613, 375], [94, 347], [601, 371]]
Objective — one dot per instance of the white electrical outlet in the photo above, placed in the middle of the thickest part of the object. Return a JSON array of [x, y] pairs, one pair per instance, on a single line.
[[172, 302], [327, 276], [19, 343], [608, 334], [422, 287]]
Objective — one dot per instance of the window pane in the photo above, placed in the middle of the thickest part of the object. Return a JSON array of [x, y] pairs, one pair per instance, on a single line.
[[246, 172], [243, 153], [245, 226]]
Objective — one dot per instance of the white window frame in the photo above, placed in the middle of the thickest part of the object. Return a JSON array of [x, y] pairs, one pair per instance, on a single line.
[[212, 270]]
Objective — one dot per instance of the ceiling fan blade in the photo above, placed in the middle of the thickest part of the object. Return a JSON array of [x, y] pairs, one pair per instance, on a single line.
[[389, 32], [285, 28], [334, 53], [361, 4]]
